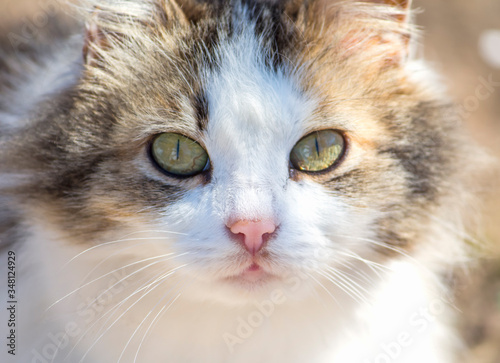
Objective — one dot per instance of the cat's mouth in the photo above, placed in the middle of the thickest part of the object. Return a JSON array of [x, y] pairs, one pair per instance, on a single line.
[[253, 274]]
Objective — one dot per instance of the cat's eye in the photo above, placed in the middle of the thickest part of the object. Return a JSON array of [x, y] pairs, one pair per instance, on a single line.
[[318, 151], [179, 155]]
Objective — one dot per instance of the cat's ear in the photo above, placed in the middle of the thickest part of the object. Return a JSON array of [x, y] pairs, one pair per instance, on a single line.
[[390, 33], [109, 23], [402, 6], [95, 42], [379, 30]]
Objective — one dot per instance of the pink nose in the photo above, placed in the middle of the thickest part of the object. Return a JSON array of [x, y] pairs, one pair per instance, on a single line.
[[254, 233]]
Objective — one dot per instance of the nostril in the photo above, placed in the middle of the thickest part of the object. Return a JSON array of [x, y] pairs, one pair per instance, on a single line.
[[238, 237], [266, 237], [253, 227]]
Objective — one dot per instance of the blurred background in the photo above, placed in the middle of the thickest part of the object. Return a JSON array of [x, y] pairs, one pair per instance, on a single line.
[[461, 40]]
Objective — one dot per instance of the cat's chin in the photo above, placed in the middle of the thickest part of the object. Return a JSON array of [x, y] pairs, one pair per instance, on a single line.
[[252, 277], [256, 283], [245, 290]]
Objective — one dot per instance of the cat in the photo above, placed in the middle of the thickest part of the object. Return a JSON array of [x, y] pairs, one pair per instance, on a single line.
[[231, 181]]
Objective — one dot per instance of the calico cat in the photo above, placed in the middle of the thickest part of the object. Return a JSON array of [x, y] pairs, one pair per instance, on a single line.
[[231, 181]]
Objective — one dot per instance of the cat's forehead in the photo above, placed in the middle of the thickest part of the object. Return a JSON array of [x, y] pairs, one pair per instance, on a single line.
[[253, 74], [244, 95]]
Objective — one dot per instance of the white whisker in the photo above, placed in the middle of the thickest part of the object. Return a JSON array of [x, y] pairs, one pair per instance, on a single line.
[[350, 284], [147, 315], [117, 319], [111, 311], [125, 240], [139, 270], [324, 288], [342, 286], [156, 319]]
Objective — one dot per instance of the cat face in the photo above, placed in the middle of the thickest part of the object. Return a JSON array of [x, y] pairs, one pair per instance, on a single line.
[[247, 83]]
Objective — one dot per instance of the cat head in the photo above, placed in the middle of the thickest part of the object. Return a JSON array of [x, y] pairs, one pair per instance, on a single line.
[[246, 140]]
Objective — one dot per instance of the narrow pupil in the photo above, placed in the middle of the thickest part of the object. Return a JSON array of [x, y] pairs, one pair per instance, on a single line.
[[317, 145], [178, 147]]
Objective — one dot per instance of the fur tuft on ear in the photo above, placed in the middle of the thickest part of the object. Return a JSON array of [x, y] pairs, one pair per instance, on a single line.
[[377, 30], [112, 21], [402, 5], [94, 43]]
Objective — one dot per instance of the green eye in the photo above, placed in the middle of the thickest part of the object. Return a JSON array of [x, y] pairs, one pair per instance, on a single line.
[[179, 155], [317, 151]]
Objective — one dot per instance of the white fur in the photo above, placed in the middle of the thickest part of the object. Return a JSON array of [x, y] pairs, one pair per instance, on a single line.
[[255, 119]]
